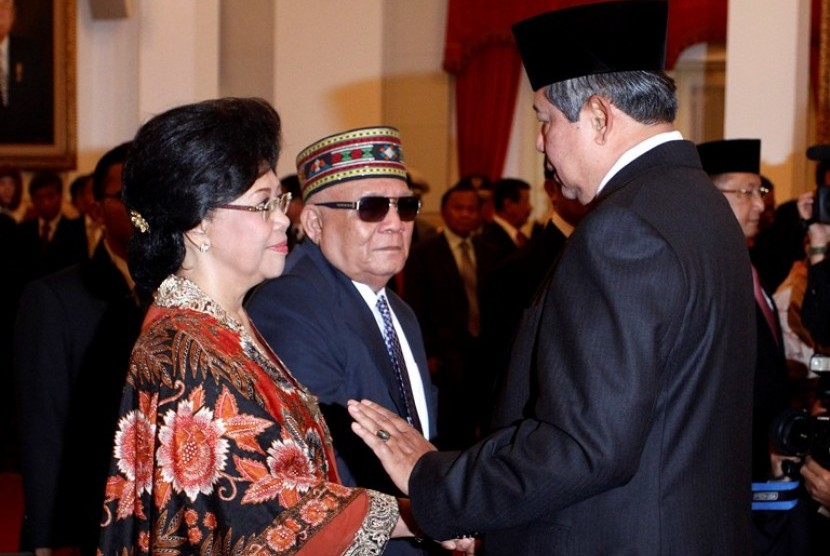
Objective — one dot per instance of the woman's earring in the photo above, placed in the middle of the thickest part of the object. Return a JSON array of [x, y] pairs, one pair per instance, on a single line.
[[203, 248]]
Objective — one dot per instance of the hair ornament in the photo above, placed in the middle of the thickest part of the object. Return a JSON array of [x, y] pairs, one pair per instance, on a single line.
[[139, 222]]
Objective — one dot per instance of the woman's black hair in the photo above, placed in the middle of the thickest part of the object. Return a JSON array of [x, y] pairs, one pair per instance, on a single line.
[[182, 164]]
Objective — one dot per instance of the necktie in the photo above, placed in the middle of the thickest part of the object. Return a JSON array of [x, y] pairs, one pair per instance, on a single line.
[[467, 269], [763, 304], [521, 239], [393, 348]]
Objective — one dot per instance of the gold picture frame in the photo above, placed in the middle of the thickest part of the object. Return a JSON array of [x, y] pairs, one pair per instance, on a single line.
[[823, 76], [46, 137]]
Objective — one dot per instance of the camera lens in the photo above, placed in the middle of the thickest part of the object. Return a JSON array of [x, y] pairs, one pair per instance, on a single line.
[[792, 433]]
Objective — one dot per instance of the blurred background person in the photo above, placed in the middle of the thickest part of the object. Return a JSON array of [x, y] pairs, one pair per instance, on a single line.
[[444, 276], [83, 199], [511, 201], [74, 334], [49, 241]]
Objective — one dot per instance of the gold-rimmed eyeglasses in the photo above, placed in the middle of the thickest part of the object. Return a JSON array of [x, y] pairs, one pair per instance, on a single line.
[[280, 202], [761, 192]]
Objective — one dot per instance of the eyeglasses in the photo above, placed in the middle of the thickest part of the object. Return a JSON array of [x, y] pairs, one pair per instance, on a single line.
[[375, 209], [748, 193], [280, 202]]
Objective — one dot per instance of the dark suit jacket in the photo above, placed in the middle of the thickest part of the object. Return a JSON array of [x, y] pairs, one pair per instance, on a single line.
[[623, 426], [29, 116], [499, 240], [435, 291], [74, 334], [320, 326], [68, 246]]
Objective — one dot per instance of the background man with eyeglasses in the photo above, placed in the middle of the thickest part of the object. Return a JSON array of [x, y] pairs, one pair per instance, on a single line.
[[734, 165], [322, 315], [73, 337]]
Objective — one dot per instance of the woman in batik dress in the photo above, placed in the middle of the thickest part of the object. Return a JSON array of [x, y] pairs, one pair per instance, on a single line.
[[218, 449]]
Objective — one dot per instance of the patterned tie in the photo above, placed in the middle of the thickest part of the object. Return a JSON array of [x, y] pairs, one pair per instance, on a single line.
[[763, 304], [393, 348], [467, 269]]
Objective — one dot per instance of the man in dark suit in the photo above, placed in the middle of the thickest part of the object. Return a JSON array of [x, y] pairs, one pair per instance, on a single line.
[[326, 315], [623, 422], [50, 241], [734, 166], [511, 200], [26, 85], [74, 334], [443, 279]]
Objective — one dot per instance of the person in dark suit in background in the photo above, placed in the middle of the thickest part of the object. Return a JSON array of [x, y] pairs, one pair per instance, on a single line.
[[511, 200], [510, 287], [326, 315], [624, 417], [444, 276], [734, 165], [74, 334], [26, 85], [49, 241]]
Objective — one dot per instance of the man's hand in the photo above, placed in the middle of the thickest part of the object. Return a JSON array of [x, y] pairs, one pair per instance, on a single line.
[[396, 444], [817, 481]]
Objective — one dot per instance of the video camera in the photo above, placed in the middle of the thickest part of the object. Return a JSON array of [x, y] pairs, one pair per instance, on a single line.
[[797, 433], [821, 206]]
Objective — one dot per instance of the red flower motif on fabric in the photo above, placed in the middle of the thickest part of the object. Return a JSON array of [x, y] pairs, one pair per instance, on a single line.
[[133, 449], [280, 538], [314, 512], [288, 462], [144, 541], [194, 535], [209, 520], [192, 454], [191, 517]]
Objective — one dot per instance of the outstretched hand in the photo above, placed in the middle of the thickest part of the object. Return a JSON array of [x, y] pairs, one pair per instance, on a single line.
[[397, 445]]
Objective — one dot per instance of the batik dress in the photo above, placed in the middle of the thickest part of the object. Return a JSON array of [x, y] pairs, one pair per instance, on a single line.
[[220, 451]]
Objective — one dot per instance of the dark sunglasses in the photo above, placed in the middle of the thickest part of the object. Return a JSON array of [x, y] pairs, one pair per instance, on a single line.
[[374, 209]]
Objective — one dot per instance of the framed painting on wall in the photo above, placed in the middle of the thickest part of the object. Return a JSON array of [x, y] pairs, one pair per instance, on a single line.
[[37, 84]]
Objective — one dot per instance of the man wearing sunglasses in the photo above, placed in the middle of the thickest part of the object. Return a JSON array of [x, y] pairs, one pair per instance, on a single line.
[[330, 316]]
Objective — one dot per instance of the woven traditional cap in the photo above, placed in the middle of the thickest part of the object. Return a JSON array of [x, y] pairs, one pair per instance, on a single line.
[[593, 38], [368, 152], [731, 155]]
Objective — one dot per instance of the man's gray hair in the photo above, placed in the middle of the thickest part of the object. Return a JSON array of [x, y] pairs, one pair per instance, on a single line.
[[647, 96]]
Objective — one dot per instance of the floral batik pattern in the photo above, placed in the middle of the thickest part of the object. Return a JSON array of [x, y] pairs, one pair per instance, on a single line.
[[220, 451]]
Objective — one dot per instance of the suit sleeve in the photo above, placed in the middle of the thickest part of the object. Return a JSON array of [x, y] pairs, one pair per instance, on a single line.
[[815, 309], [592, 383]]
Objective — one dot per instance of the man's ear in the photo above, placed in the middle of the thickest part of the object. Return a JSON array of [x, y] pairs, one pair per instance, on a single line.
[[312, 220], [601, 118]]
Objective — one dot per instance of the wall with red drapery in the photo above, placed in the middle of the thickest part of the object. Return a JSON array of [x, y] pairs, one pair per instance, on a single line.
[[480, 53]]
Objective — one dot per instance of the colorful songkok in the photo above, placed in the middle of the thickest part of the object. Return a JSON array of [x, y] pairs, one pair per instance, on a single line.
[[369, 152]]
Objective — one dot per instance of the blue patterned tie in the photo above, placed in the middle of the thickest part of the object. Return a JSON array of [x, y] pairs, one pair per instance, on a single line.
[[393, 348]]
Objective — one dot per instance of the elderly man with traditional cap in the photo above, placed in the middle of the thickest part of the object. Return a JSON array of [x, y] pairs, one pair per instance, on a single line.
[[330, 316], [623, 424]]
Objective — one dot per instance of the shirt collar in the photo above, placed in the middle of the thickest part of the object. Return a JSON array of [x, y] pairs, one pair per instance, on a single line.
[[636, 151]]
